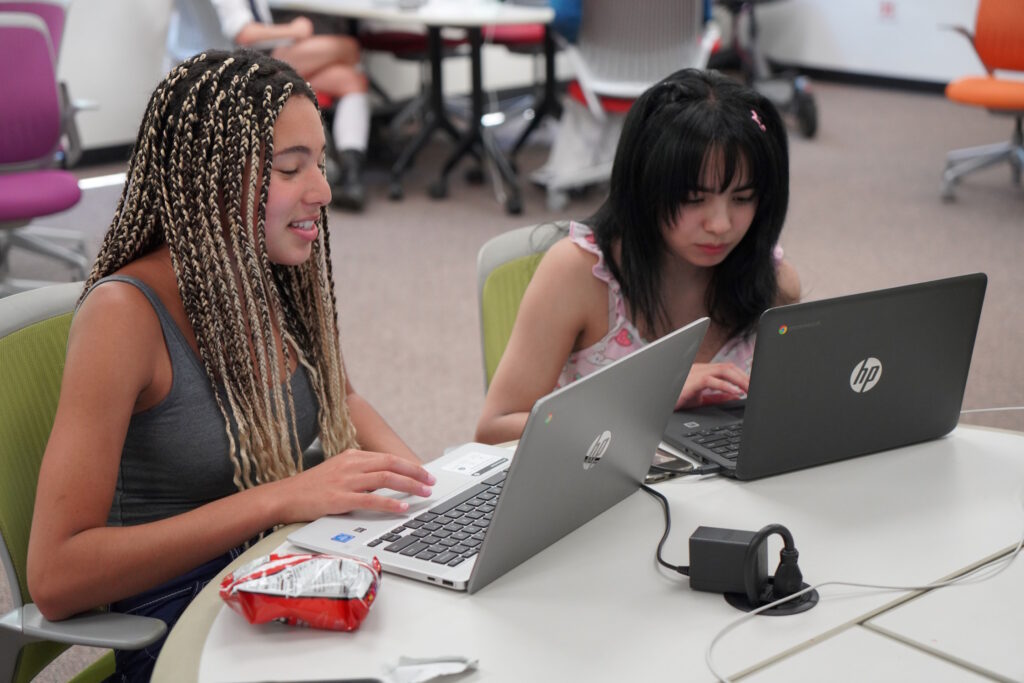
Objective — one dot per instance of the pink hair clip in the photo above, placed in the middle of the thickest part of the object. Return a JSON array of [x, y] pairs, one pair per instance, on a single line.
[[757, 120]]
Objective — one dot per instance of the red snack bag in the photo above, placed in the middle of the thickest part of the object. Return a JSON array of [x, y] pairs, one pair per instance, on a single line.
[[318, 591]]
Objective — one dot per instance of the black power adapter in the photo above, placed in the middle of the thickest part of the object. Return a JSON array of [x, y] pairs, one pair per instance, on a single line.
[[735, 563], [718, 560]]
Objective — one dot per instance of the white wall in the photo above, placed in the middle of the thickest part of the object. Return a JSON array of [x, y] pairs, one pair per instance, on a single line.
[[112, 54], [891, 38]]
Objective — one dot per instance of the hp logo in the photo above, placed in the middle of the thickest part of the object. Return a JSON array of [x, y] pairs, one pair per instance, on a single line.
[[597, 450], [865, 375]]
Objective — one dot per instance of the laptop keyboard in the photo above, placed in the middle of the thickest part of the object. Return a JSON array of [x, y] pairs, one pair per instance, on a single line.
[[723, 441], [450, 532]]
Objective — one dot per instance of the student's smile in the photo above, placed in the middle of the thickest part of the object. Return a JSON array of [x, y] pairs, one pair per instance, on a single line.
[[298, 188]]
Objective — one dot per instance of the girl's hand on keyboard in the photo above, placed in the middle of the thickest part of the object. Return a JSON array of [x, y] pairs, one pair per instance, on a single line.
[[347, 482], [713, 383]]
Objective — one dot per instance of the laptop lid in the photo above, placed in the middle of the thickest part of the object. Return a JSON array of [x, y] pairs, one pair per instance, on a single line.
[[843, 377], [585, 447]]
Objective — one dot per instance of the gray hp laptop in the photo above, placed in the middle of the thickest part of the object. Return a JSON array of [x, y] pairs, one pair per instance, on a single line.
[[843, 377], [585, 447]]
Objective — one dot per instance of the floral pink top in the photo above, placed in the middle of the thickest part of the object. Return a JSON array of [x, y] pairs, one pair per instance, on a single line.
[[623, 338]]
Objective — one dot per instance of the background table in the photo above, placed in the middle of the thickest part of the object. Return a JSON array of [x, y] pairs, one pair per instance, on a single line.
[[472, 15], [595, 605]]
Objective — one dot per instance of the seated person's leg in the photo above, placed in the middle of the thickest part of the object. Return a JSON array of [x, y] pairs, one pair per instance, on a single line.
[[342, 80], [318, 52]]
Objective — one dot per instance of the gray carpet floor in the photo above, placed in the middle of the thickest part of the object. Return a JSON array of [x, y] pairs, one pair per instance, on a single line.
[[865, 213]]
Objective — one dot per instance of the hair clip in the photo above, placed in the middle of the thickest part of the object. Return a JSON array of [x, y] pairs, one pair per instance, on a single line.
[[757, 120]]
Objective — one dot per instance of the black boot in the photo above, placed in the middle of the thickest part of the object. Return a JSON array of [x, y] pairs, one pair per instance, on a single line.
[[349, 192]]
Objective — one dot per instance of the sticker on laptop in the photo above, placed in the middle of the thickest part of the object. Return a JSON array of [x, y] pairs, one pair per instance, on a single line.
[[473, 463]]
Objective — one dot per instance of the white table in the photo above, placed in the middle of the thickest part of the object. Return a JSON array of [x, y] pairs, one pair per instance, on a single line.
[[951, 624], [439, 13], [472, 15], [595, 606], [857, 655]]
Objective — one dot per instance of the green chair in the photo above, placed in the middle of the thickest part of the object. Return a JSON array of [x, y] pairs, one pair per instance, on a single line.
[[504, 267], [33, 340]]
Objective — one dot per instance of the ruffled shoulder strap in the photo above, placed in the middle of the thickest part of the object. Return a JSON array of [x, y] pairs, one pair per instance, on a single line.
[[583, 237]]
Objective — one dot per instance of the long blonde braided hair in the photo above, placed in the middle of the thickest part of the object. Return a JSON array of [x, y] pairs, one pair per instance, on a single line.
[[207, 130]]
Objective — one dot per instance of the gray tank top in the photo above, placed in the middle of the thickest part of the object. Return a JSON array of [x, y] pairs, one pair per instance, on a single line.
[[176, 454]]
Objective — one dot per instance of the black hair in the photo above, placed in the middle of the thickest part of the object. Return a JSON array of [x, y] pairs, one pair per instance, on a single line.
[[668, 136]]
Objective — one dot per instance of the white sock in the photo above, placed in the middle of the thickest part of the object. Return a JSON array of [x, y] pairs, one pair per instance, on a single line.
[[351, 127]]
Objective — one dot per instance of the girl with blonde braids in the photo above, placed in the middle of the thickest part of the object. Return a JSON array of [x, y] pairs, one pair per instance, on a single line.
[[204, 359]]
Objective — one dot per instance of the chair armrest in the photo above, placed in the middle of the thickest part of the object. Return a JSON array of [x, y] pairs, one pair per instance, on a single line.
[[78, 105], [970, 38], [68, 109], [585, 78], [95, 629], [962, 30]]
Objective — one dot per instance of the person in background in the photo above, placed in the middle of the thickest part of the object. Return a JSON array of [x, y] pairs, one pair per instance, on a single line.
[[329, 62], [204, 360], [698, 195]]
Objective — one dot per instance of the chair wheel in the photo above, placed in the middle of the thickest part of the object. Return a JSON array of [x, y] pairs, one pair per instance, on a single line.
[[475, 176], [395, 191], [438, 189], [514, 206]]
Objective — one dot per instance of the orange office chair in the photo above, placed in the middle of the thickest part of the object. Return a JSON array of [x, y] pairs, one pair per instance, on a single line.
[[999, 41]]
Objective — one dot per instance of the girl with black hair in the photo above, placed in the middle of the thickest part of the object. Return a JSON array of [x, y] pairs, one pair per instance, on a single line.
[[697, 200]]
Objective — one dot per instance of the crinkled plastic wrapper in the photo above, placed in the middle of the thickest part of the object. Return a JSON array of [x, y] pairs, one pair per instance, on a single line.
[[317, 591]]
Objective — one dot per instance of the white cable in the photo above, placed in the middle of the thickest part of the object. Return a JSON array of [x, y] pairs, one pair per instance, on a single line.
[[967, 578], [991, 410]]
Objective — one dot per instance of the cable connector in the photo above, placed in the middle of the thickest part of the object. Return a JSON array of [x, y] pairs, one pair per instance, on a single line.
[[788, 578]]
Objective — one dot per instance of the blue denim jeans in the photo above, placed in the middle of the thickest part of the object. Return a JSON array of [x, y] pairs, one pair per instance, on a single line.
[[165, 602]]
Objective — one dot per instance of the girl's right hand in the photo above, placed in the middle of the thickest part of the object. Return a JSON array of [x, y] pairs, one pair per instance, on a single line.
[[723, 380], [347, 482]]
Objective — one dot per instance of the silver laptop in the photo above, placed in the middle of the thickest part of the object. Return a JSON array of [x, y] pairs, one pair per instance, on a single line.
[[843, 377], [585, 447]]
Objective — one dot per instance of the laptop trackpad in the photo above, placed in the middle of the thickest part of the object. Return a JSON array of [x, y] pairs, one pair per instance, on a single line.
[[706, 417]]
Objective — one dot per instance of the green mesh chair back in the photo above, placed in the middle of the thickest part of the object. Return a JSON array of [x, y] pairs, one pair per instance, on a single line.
[[33, 340], [505, 266]]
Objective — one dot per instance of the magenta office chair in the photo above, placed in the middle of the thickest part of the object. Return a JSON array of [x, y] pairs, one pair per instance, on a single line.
[[31, 128], [53, 13]]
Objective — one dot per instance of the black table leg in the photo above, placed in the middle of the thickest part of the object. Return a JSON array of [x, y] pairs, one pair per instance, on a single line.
[[477, 141], [435, 119], [549, 104]]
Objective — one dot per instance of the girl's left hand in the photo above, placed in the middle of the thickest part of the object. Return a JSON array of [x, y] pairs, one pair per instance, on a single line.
[[724, 380]]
